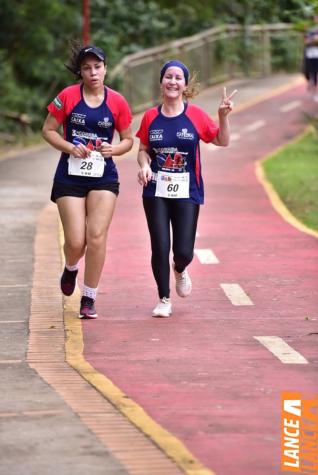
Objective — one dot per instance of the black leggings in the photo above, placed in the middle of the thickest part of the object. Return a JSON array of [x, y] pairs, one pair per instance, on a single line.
[[183, 216], [311, 70]]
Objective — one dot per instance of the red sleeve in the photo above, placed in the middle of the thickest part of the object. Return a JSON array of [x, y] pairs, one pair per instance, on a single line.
[[205, 126], [143, 132], [120, 109], [65, 102]]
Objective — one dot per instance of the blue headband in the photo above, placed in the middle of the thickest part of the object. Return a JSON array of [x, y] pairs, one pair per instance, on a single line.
[[178, 64]]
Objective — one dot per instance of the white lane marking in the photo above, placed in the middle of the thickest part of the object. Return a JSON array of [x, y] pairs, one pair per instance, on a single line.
[[255, 126], [206, 256], [290, 106], [284, 352], [236, 294]]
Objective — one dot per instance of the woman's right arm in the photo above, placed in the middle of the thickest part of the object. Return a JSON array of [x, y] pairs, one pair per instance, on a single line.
[[51, 135], [145, 172]]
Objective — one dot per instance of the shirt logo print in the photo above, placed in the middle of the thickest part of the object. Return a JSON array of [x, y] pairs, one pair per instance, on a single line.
[[156, 134], [185, 135], [105, 123], [78, 118], [58, 103]]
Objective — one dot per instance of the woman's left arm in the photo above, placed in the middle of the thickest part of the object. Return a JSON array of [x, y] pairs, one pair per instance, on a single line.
[[223, 137], [125, 144]]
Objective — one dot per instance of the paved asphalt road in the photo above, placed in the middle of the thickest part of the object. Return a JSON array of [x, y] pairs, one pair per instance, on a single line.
[[201, 375]]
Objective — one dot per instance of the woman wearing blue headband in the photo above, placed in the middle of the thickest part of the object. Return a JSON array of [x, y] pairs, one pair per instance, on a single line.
[[178, 64], [170, 172]]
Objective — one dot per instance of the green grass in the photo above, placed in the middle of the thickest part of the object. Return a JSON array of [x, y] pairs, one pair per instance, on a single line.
[[293, 172]]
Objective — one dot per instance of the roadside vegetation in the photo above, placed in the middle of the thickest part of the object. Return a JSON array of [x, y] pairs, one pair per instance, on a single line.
[[35, 36], [293, 172]]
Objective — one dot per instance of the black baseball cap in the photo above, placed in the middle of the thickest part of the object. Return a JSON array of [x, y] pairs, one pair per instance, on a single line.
[[90, 49]]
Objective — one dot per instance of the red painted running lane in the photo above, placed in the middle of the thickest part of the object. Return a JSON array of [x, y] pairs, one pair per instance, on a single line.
[[201, 374]]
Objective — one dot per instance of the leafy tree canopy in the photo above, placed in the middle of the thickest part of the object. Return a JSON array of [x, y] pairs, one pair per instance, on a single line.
[[35, 35]]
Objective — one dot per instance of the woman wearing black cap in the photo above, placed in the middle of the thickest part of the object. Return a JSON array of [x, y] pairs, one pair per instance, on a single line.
[[170, 172], [85, 186]]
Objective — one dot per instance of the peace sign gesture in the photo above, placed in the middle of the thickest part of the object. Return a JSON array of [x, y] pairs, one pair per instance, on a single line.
[[226, 104]]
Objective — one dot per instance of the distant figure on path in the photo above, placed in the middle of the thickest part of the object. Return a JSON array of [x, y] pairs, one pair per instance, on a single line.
[[311, 58]]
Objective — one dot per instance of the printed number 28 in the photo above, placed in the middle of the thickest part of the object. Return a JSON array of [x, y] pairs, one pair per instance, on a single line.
[[87, 166]]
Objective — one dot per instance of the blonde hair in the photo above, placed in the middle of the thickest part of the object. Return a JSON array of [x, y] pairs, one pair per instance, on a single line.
[[193, 87]]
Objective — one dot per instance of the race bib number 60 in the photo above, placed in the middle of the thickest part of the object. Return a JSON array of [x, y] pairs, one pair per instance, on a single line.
[[172, 185], [92, 166]]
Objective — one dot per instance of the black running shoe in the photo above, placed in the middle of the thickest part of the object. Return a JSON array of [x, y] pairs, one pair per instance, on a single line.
[[87, 308], [68, 281]]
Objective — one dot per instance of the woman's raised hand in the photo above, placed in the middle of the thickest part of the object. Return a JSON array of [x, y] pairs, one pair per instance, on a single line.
[[226, 104]]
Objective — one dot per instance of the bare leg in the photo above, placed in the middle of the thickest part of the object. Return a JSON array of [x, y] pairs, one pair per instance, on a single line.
[[100, 205], [73, 216]]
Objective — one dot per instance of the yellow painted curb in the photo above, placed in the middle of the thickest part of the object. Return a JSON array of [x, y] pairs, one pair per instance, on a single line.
[[275, 199], [172, 447]]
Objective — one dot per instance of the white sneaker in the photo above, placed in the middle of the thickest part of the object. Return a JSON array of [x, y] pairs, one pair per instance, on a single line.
[[183, 283], [163, 308]]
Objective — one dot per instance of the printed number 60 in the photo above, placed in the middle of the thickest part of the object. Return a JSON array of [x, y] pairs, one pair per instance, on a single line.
[[172, 187]]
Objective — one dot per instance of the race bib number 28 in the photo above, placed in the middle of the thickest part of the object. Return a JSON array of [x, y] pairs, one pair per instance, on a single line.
[[92, 166], [172, 185]]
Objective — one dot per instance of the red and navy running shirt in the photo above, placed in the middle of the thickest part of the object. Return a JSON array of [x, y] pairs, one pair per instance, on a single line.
[[173, 145], [89, 125]]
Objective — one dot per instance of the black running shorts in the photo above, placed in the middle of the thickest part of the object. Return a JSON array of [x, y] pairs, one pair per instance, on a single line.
[[80, 191]]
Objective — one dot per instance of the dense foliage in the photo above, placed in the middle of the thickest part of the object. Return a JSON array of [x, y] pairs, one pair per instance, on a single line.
[[35, 35]]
